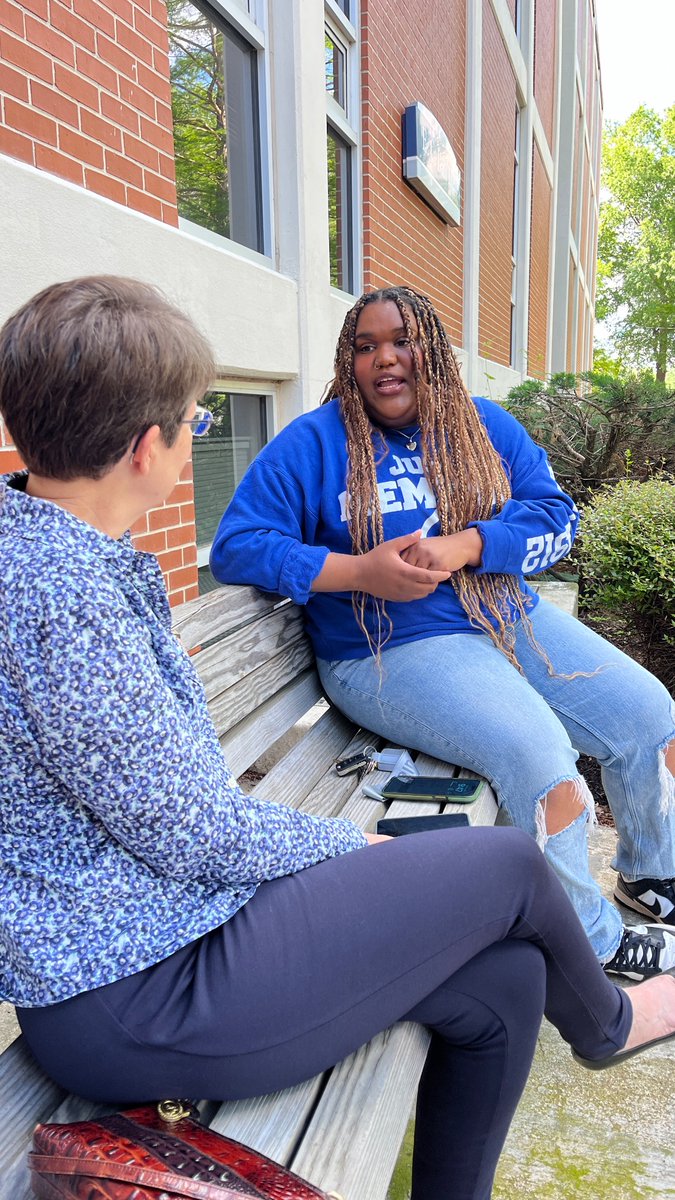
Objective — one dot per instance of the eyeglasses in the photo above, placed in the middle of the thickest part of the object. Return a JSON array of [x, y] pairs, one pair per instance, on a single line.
[[200, 423]]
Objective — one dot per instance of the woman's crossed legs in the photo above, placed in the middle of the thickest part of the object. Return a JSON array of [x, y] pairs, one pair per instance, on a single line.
[[466, 931]]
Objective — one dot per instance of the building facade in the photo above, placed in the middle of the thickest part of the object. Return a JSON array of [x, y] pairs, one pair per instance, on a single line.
[[246, 156]]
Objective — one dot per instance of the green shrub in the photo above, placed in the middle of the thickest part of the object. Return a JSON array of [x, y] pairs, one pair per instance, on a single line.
[[627, 556]]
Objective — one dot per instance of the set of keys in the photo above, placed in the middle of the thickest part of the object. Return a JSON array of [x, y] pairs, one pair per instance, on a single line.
[[362, 762]]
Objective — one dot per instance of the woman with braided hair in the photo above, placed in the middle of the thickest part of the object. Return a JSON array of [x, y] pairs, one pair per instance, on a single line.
[[404, 514]]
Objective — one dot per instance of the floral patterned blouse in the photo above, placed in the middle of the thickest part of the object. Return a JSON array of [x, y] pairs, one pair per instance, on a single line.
[[123, 834]]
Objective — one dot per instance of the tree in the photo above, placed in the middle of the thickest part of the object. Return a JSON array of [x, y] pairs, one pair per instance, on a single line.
[[598, 428], [196, 55], [636, 249]]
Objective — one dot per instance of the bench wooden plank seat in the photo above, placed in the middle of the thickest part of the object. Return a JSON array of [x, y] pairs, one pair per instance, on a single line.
[[343, 1129]]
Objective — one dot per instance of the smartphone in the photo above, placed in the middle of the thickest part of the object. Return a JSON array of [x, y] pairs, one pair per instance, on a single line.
[[425, 787], [397, 826]]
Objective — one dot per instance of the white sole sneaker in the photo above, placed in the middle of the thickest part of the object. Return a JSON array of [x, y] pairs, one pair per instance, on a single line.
[[645, 951]]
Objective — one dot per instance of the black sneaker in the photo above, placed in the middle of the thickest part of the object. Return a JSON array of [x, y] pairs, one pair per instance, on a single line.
[[644, 950], [654, 898]]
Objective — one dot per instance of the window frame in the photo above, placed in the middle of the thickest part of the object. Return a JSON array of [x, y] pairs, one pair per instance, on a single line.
[[252, 29], [345, 122], [344, 12], [515, 233], [251, 387], [344, 53]]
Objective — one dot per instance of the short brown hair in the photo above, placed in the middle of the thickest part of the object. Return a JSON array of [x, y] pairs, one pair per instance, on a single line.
[[89, 364]]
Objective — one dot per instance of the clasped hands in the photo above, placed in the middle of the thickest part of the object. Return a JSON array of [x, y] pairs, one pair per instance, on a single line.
[[411, 567]]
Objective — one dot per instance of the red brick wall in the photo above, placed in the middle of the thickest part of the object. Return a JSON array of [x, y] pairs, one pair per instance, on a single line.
[[544, 62], [409, 56], [168, 532], [9, 458], [496, 202], [84, 94], [540, 248]]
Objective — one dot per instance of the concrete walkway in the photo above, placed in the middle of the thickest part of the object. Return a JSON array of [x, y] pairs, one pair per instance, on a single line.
[[9, 1028], [584, 1135]]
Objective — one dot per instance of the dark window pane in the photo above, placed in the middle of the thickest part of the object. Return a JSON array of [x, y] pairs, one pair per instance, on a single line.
[[334, 64], [243, 149], [215, 113], [220, 459], [345, 5], [339, 211]]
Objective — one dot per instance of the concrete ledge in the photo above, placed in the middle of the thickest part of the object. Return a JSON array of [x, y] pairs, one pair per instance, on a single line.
[[563, 595]]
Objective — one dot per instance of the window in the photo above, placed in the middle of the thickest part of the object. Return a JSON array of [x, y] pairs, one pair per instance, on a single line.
[[215, 101], [339, 212], [514, 235], [335, 61], [341, 73], [239, 431]]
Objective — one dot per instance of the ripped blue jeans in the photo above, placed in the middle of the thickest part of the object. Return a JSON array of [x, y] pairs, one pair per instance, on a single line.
[[458, 698]]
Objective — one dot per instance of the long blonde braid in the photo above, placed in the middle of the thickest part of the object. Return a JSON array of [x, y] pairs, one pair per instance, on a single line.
[[462, 466]]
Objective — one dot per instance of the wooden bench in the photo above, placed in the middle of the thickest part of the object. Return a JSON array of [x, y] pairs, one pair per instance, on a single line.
[[343, 1129]]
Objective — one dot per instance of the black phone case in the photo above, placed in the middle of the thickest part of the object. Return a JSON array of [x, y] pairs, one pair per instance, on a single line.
[[397, 826]]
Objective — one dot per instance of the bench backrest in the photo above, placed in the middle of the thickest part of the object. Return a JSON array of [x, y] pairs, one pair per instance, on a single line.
[[256, 664]]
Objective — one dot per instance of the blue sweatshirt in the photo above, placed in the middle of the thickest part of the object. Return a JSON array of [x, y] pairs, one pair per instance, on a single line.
[[288, 514]]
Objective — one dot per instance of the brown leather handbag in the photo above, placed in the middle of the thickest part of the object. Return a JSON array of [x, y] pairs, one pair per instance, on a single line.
[[155, 1153]]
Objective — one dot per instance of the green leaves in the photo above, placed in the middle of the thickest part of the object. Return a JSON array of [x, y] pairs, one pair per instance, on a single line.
[[636, 246], [627, 554], [196, 55]]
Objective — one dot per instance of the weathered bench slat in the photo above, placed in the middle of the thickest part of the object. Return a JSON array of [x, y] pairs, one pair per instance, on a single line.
[[352, 1142], [250, 738], [236, 656], [221, 612], [300, 770], [271, 1124], [249, 694], [26, 1096]]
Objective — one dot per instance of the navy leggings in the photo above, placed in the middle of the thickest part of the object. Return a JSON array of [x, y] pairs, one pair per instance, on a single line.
[[467, 931]]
